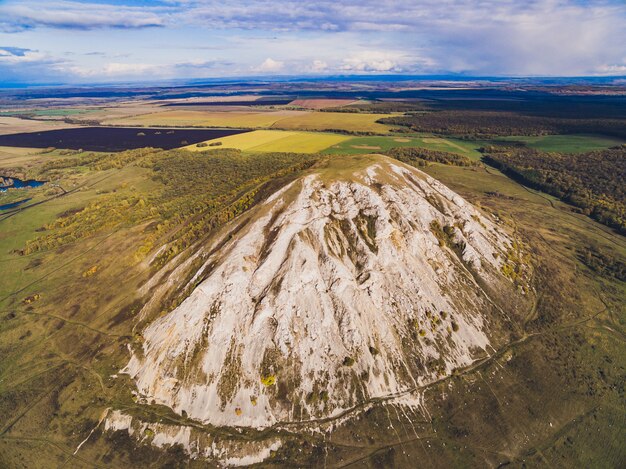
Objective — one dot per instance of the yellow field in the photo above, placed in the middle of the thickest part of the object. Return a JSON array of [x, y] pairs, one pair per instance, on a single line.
[[334, 120], [276, 141], [283, 119], [12, 157], [209, 119]]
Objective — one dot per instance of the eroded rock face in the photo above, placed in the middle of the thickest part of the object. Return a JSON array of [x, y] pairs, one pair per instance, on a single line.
[[341, 288]]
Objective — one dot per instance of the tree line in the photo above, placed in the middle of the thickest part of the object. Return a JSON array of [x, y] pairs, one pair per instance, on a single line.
[[484, 124]]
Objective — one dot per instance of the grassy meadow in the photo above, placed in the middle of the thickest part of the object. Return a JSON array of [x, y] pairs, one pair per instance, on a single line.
[[373, 144], [567, 143]]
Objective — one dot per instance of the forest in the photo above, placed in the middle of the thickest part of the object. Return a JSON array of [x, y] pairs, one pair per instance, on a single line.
[[197, 193], [593, 181], [486, 124], [416, 156]]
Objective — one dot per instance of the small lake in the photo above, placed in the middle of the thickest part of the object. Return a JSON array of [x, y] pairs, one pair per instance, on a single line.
[[19, 183], [13, 205]]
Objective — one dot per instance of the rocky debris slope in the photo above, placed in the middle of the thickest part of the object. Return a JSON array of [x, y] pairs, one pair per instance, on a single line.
[[362, 280]]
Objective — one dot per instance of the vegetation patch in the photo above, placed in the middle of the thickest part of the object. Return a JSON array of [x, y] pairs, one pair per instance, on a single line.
[[269, 380], [195, 194], [566, 143], [593, 182], [358, 145], [446, 237], [490, 124], [229, 381], [348, 361], [605, 263], [422, 156]]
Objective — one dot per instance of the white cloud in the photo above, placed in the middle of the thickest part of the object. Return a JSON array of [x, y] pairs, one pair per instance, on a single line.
[[8, 55], [125, 69], [17, 16], [112, 70], [481, 37], [319, 66], [613, 69], [115, 71], [269, 65], [374, 61]]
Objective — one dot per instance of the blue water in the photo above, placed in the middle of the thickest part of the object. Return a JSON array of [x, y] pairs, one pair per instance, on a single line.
[[13, 205], [19, 184]]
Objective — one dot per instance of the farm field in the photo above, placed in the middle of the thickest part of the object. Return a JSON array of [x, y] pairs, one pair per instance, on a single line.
[[225, 99], [351, 122], [239, 119], [50, 112], [322, 103], [373, 144], [120, 111], [17, 157], [282, 119], [275, 141], [257, 101], [568, 143], [89, 116], [113, 138], [12, 125]]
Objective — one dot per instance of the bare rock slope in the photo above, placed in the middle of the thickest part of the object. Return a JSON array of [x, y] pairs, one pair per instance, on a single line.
[[364, 279]]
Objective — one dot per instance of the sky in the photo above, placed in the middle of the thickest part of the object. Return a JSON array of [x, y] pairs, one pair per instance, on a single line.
[[96, 41]]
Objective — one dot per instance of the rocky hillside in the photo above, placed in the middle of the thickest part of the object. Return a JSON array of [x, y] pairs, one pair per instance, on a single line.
[[359, 282]]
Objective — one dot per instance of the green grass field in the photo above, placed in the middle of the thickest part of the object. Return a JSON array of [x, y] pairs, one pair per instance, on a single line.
[[567, 143], [358, 145], [275, 141]]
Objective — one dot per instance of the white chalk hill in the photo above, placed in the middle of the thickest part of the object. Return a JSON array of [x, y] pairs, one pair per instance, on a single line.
[[364, 279]]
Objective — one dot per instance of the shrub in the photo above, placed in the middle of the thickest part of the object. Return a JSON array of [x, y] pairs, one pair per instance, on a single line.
[[269, 380]]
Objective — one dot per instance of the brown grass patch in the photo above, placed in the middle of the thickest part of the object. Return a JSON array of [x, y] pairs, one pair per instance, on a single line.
[[366, 147], [321, 103], [14, 125]]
